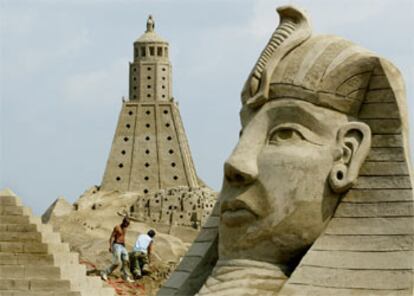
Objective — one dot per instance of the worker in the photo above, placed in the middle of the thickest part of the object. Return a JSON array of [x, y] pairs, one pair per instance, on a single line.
[[119, 252], [141, 254]]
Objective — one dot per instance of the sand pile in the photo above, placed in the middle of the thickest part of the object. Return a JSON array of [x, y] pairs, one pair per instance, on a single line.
[[87, 224]]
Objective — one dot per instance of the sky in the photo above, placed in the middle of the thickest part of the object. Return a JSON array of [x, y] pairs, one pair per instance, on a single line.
[[64, 70]]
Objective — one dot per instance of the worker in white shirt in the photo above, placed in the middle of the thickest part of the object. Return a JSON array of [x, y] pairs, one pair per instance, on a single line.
[[141, 254]]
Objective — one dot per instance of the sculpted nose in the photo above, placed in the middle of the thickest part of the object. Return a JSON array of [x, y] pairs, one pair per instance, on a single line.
[[239, 170]]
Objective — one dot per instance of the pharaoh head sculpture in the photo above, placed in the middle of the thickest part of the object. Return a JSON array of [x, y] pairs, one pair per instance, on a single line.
[[301, 145], [320, 175]]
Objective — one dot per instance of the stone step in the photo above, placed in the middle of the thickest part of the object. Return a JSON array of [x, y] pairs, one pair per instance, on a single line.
[[33, 285], [78, 278], [13, 210], [83, 285], [18, 227], [106, 291], [40, 293], [40, 226], [15, 236], [13, 219], [32, 247], [72, 272], [75, 273], [8, 200], [102, 291], [51, 247], [34, 225], [30, 236], [55, 259], [9, 258], [60, 258], [29, 272]]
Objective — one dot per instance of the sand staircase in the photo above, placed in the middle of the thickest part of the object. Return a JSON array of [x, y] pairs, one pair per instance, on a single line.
[[34, 261]]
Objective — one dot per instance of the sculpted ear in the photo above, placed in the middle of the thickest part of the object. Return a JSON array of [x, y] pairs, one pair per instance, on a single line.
[[354, 142]]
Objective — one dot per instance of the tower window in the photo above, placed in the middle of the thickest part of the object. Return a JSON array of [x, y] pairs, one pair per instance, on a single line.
[[123, 152], [163, 87], [170, 151], [143, 51], [148, 95], [149, 68], [148, 86], [159, 51], [148, 112], [146, 191], [152, 50], [118, 178], [130, 112], [121, 165], [146, 178], [173, 164], [147, 164], [169, 138], [128, 125], [147, 151], [136, 52], [165, 111], [166, 51], [163, 69], [167, 125], [147, 125], [147, 138]]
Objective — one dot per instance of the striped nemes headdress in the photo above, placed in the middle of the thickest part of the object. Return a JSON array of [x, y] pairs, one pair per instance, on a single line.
[[325, 70]]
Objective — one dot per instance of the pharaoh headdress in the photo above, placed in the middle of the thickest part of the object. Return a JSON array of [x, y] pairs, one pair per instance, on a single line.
[[368, 245]]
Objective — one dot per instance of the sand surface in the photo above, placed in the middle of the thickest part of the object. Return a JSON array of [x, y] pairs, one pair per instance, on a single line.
[[87, 226]]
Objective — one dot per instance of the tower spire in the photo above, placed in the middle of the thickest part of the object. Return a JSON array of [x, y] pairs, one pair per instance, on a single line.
[[150, 24], [150, 72]]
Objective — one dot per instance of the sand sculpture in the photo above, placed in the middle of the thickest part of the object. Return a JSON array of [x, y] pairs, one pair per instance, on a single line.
[[178, 206], [317, 195], [34, 261], [150, 149], [150, 155]]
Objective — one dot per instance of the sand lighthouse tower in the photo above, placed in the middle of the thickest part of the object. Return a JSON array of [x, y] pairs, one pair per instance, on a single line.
[[150, 149]]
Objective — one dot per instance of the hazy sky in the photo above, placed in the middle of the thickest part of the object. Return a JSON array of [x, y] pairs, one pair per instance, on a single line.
[[64, 69]]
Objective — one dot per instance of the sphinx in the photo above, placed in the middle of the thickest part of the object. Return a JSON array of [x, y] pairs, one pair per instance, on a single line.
[[317, 195]]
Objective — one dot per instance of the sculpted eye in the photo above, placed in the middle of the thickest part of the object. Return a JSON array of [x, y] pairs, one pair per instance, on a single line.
[[285, 134]]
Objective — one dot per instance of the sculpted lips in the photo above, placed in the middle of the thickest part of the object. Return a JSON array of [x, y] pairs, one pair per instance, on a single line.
[[236, 213]]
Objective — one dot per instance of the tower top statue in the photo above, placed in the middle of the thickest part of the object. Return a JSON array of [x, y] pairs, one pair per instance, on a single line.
[[150, 24], [150, 36]]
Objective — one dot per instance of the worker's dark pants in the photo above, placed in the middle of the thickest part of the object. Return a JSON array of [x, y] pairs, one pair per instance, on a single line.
[[139, 263]]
